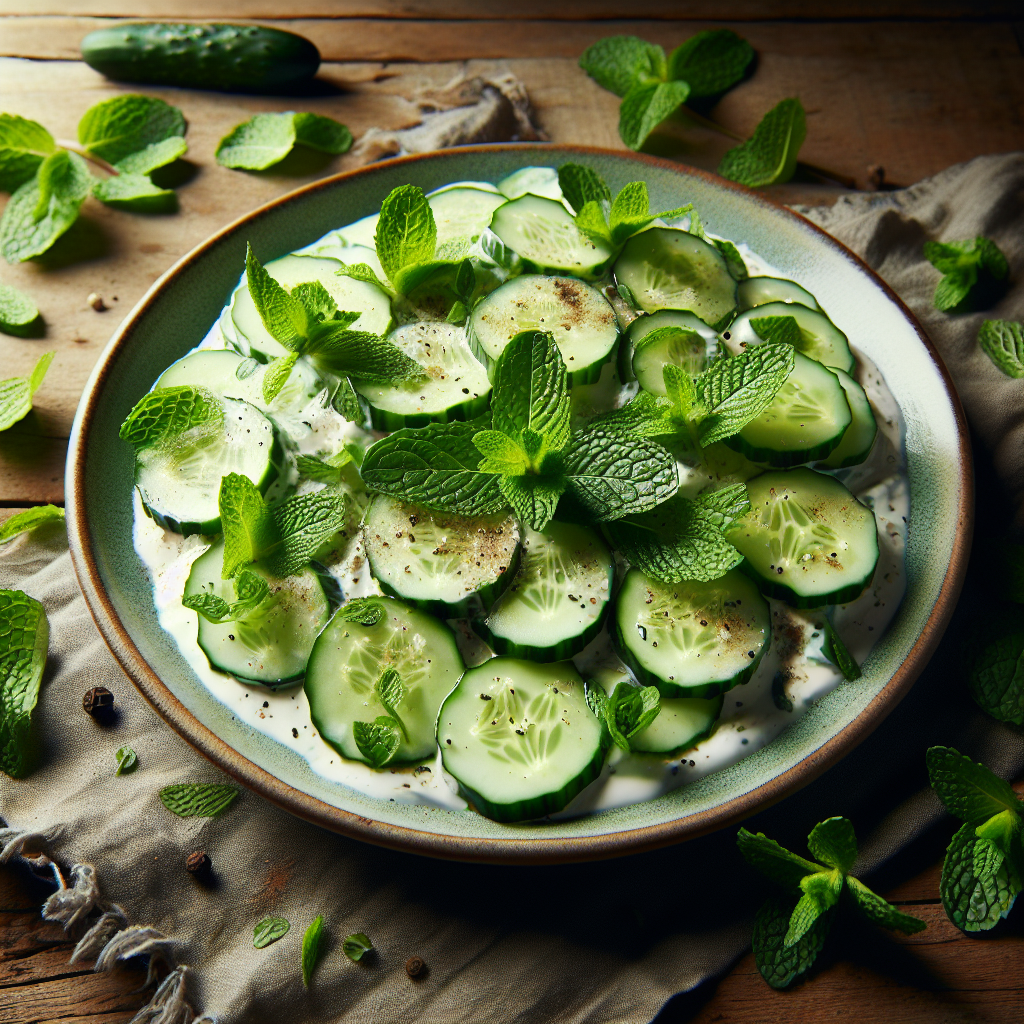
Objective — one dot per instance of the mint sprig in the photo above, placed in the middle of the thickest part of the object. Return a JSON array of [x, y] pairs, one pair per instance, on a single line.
[[972, 270], [790, 929], [626, 712], [16, 393], [1003, 342], [769, 156], [983, 871], [266, 139], [24, 640]]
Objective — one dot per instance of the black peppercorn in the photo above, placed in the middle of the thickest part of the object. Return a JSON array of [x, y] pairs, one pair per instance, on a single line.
[[97, 700], [198, 863], [415, 966]]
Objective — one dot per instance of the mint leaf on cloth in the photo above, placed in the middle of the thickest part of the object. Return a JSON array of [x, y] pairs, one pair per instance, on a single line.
[[620, 62], [972, 270], [18, 313], [266, 139], [769, 155], [198, 799], [356, 946], [42, 209], [127, 761], [711, 62], [406, 234], [162, 416], [269, 930], [645, 106], [22, 522], [24, 145], [314, 945], [16, 393], [1003, 342], [24, 640]]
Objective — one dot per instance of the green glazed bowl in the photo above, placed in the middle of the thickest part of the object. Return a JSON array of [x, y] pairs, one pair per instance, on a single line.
[[178, 311]]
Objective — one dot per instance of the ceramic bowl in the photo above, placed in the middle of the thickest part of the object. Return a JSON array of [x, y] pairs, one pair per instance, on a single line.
[[180, 308]]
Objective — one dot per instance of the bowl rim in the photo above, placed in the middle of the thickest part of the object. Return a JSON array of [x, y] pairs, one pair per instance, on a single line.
[[533, 850]]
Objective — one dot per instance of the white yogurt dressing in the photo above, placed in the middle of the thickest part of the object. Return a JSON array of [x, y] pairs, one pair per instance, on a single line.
[[791, 677]]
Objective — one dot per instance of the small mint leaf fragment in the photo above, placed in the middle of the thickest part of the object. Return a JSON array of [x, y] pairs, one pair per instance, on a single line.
[[24, 641], [973, 270], [314, 945], [277, 374], [30, 519], [711, 62], [198, 799], [835, 650], [780, 330], [769, 156], [367, 611], [127, 760], [645, 106], [1003, 342], [733, 260], [269, 930], [16, 392], [356, 946], [17, 311], [377, 741], [124, 125], [619, 62]]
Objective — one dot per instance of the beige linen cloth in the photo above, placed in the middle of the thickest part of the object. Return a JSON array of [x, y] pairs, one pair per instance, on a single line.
[[597, 943]]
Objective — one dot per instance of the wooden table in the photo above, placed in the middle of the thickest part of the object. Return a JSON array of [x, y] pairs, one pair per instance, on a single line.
[[911, 87]]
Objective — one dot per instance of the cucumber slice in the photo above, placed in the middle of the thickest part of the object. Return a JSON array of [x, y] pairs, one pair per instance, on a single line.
[[686, 347], [272, 649], [579, 316], [439, 561], [806, 421], [806, 539], [821, 339], [361, 232], [347, 661], [180, 486], [519, 738], [545, 236], [557, 602], [860, 435], [456, 387], [644, 325], [537, 181], [350, 295], [757, 291], [669, 269], [682, 723], [463, 212], [692, 639]]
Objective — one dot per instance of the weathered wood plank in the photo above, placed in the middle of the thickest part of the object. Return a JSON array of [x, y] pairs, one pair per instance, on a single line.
[[82, 995]]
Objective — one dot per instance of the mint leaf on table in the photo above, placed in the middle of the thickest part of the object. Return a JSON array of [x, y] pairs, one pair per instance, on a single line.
[[162, 416], [198, 799], [356, 946], [125, 125], [778, 963], [314, 945], [31, 518], [266, 139], [620, 62], [769, 155], [1003, 342], [127, 761], [24, 640], [972, 268], [994, 661], [24, 145], [711, 62], [16, 393], [779, 330], [377, 741], [645, 106], [135, 192], [44, 207], [153, 156], [406, 234], [18, 313], [534, 498], [269, 930], [436, 466]]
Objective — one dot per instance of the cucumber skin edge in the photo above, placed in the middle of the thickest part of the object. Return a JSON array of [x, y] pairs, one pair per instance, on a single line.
[[561, 651], [692, 742], [781, 592]]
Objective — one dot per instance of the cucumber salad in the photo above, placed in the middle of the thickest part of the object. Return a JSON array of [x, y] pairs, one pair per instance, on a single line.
[[521, 499]]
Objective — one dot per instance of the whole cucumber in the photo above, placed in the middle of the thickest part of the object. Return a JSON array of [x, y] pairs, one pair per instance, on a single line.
[[228, 58]]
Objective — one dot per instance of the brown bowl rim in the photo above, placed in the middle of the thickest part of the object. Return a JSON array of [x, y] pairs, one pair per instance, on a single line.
[[500, 850]]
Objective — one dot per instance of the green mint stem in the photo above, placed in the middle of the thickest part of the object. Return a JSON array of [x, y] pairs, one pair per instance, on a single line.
[[85, 154]]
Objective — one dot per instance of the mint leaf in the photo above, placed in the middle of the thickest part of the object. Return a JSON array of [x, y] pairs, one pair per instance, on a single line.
[[619, 62], [377, 741], [995, 665], [969, 790], [283, 315], [676, 541], [134, 192], [774, 861], [733, 260], [363, 272], [122, 125], [198, 799], [711, 62], [347, 404], [153, 156], [769, 156], [645, 106], [609, 476], [249, 527], [390, 691], [367, 611], [269, 930], [314, 945], [356, 946], [304, 523], [16, 392], [211, 607], [266, 139], [324, 471], [251, 591], [162, 416], [737, 389], [361, 356], [779, 330], [592, 221], [581, 185], [778, 963], [1003, 342], [647, 415], [879, 911], [17, 311], [531, 393], [630, 212], [834, 843], [31, 518], [724, 505], [127, 761], [42, 209], [24, 145], [835, 650], [501, 454], [406, 233], [436, 466], [979, 884], [630, 710], [820, 893], [277, 374], [533, 498], [24, 639]]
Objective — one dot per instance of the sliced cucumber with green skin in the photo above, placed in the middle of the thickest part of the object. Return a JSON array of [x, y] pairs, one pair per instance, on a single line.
[[537, 181], [463, 212], [757, 291], [520, 738], [179, 486], [579, 317], [352, 296], [439, 561], [644, 325], [272, 648], [347, 661], [665, 268], [806, 420], [557, 602], [456, 386], [821, 339], [806, 539], [692, 639], [860, 435], [543, 233], [684, 347], [682, 723]]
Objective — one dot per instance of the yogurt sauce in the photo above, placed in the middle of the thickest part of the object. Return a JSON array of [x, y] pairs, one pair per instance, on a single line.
[[792, 676]]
